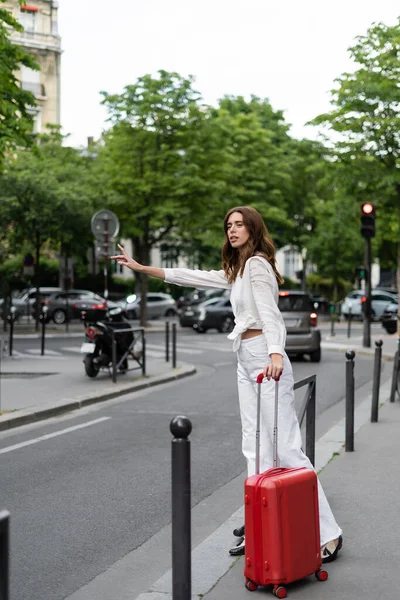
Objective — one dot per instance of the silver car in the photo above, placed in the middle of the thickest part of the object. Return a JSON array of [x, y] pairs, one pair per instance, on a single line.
[[25, 300], [353, 302], [158, 305], [301, 322]]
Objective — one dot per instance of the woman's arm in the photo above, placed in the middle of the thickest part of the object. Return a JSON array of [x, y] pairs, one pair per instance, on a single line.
[[202, 280], [185, 277], [127, 261]]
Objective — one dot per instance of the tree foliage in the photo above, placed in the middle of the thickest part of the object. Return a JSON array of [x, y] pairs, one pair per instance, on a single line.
[[16, 116], [47, 198], [366, 115]]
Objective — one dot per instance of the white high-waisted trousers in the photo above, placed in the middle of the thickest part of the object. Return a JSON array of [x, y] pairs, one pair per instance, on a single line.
[[252, 358]]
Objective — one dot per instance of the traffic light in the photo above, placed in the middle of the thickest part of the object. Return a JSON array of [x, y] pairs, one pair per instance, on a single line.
[[367, 220], [361, 273]]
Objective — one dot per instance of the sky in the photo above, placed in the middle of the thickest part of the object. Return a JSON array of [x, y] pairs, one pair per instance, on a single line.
[[289, 51]]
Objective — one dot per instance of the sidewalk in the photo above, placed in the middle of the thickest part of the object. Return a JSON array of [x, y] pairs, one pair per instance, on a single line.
[[363, 490], [46, 386]]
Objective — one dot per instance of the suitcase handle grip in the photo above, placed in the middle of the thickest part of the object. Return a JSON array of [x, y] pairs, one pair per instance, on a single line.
[[260, 378]]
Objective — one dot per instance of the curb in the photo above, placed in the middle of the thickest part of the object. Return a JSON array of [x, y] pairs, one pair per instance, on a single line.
[[23, 417], [357, 349]]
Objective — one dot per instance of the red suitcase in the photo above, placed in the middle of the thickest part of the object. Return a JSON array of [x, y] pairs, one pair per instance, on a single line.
[[281, 521]]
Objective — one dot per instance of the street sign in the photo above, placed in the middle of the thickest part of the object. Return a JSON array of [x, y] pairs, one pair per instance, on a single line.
[[105, 249], [105, 222]]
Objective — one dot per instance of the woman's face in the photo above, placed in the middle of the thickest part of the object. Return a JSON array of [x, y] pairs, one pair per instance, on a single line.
[[236, 230]]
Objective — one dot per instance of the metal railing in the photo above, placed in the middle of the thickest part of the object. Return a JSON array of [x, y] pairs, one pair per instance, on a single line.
[[138, 355], [308, 411]]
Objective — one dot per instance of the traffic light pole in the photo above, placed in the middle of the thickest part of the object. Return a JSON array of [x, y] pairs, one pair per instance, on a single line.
[[368, 295]]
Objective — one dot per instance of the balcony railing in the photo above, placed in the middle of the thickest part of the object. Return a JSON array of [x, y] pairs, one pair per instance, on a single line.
[[37, 89]]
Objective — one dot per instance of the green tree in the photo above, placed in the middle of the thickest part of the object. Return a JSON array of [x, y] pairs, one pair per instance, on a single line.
[[156, 163], [366, 116], [16, 116], [46, 199]]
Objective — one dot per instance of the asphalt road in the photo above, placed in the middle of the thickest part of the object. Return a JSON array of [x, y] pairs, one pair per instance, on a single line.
[[98, 486]]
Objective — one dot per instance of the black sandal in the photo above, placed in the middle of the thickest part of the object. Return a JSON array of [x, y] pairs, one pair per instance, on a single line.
[[239, 531], [239, 549], [327, 555]]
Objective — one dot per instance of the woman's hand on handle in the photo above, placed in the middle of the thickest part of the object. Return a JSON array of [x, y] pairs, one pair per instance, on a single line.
[[127, 261], [274, 368]]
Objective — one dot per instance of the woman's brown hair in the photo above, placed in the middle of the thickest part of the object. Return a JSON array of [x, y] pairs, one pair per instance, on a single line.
[[259, 242]]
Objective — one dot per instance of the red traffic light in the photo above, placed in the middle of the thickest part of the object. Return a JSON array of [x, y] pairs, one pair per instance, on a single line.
[[367, 220], [367, 208]]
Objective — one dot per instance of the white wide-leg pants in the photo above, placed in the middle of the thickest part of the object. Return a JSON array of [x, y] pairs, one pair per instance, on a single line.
[[252, 358]]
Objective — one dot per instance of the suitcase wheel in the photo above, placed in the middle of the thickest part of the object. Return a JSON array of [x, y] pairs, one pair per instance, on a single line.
[[250, 585], [279, 591], [321, 575]]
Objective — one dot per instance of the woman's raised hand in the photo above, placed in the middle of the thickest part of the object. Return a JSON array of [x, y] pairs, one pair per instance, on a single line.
[[127, 261]]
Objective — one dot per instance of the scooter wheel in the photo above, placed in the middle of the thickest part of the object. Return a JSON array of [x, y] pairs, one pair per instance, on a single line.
[[91, 368]]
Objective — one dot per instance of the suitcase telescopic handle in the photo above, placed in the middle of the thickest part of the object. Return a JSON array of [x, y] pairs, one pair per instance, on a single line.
[[260, 379]]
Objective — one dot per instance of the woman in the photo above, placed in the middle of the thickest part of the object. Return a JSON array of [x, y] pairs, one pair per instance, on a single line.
[[249, 271]]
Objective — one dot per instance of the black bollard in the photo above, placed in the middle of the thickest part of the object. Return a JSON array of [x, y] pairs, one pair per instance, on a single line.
[[349, 317], [42, 317], [114, 356], [180, 428], [376, 381], [4, 554], [395, 387], [11, 319], [167, 341], [333, 317], [174, 345], [143, 354], [350, 355]]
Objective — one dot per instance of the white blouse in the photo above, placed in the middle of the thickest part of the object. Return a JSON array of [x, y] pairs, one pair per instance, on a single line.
[[254, 299]]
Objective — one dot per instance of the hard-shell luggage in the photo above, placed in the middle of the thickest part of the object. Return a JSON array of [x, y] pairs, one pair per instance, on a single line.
[[281, 521]]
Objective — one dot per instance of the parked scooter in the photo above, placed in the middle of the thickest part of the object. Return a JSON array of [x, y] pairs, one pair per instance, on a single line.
[[98, 345]]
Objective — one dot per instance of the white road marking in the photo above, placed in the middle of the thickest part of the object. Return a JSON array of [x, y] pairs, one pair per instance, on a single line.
[[71, 349], [46, 351], [52, 435]]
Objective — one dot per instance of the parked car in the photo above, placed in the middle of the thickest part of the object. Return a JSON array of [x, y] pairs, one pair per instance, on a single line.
[[23, 301], [389, 317], [352, 304], [158, 305], [61, 304], [301, 321], [214, 313], [199, 296]]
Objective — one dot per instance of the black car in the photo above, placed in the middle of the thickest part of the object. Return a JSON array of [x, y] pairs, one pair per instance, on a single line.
[[215, 313], [389, 318], [93, 308]]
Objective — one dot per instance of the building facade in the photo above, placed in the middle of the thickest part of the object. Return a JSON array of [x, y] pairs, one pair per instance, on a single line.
[[40, 38]]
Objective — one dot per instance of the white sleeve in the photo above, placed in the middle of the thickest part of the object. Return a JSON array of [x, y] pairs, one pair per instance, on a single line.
[[197, 278], [265, 293]]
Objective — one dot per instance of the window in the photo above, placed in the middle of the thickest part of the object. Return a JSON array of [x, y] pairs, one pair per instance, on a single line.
[[27, 18], [294, 303]]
